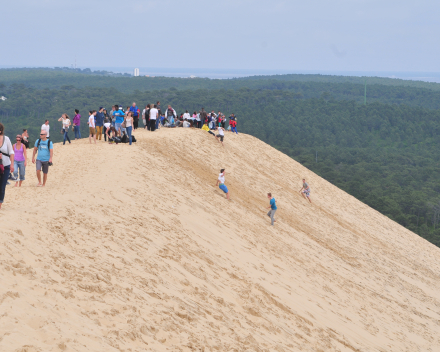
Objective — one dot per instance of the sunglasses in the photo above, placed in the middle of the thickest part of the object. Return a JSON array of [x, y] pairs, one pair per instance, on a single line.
[[42, 134]]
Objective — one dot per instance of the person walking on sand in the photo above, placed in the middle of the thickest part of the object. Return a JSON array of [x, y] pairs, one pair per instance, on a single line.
[[272, 207], [25, 138], [221, 183], [91, 123], [66, 125], [7, 162], [20, 160], [44, 147], [305, 190]]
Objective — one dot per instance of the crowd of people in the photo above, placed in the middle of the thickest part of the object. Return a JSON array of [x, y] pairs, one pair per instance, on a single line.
[[117, 126]]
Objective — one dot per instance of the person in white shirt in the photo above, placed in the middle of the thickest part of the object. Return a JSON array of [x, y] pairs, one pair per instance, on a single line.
[[220, 135], [91, 124], [45, 127], [7, 157], [221, 183], [154, 114], [66, 124], [186, 115], [186, 123]]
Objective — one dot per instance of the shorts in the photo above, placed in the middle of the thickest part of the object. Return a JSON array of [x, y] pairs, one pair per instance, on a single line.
[[223, 187], [92, 131], [118, 126], [43, 165], [221, 137], [307, 193]]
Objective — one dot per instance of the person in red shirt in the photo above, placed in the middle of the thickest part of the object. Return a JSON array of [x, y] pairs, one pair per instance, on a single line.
[[233, 124]]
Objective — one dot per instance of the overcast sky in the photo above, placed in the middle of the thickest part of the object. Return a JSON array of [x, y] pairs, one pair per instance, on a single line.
[[322, 35]]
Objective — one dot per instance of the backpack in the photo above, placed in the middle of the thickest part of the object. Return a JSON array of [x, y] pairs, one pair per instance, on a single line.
[[124, 139], [48, 144], [133, 139], [117, 140]]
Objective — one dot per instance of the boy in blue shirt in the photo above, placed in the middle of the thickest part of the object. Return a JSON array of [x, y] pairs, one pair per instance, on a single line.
[[272, 207], [118, 115], [44, 147]]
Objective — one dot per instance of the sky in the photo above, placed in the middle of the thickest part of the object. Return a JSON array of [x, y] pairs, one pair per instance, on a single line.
[[313, 35]]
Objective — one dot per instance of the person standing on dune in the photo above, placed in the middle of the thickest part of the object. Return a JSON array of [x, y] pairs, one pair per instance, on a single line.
[[305, 190], [91, 123], [221, 183], [272, 207], [45, 127], [154, 114], [77, 124]]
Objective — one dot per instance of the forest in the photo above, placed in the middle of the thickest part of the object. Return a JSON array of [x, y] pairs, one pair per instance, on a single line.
[[385, 153], [306, 86]]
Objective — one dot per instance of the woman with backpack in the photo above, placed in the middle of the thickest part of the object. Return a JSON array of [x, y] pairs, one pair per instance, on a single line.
[[6, 162], [20, 160]]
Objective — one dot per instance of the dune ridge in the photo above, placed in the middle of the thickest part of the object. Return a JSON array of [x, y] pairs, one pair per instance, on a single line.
[[134, 249]]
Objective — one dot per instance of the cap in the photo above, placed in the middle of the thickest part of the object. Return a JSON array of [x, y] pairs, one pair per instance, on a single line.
[[101, 108]]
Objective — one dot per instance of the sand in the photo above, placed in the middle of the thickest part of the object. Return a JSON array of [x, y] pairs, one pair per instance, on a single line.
[[135, 249]]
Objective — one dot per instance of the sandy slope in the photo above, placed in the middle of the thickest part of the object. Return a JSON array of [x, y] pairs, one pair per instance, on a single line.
[[134, 249]]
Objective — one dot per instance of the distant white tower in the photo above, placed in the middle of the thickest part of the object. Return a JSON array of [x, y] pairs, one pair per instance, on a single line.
[[136, 72]]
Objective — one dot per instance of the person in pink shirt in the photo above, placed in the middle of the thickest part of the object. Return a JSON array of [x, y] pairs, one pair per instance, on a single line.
[[20, 160]]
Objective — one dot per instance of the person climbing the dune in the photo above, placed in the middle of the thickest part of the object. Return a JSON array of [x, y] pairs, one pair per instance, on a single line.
[[272, 207], [221, 135], [305, 190], [206, 128], [221, 183]]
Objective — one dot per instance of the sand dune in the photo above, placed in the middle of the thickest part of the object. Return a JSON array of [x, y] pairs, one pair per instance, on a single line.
[[134, 249]]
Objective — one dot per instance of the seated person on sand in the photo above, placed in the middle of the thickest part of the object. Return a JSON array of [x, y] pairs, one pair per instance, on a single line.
[[170, 124], [111, 134], [186, 123], [179, 123]]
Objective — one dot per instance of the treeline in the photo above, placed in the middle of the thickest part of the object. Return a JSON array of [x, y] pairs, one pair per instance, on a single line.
[[304, 86], [348, 79], [388, 156]]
